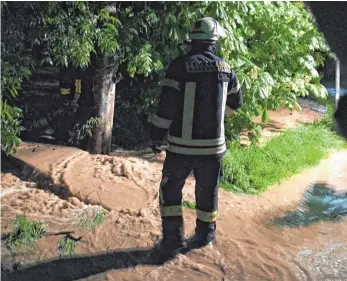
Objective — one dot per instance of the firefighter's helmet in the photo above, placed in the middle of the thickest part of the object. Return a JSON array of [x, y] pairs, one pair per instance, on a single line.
[[206, 29]]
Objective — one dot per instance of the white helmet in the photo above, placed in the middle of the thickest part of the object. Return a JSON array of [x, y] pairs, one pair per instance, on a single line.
[[206, 29]]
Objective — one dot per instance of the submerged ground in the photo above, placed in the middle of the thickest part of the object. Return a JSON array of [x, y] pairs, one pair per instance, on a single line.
[[294, 231]]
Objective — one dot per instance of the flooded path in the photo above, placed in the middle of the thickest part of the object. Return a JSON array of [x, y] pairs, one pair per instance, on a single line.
[[294, 231]]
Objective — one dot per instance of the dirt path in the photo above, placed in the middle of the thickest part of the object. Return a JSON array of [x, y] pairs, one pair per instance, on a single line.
[[283, 119]]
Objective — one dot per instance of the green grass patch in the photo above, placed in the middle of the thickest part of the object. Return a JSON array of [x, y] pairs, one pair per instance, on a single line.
[[24, 232], [98, 219], [91, 218], [67, 246], [253, 169], [189, 205]]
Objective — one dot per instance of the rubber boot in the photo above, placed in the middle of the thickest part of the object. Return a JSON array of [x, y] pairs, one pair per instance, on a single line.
[[173, 237], [204, 235]]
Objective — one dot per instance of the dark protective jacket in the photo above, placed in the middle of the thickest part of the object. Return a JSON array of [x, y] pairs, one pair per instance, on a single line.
[[196, 89]]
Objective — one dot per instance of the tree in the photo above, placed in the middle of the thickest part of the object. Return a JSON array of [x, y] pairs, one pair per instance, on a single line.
[[274, 48], [75, 32], [16, 65], [78, 30]]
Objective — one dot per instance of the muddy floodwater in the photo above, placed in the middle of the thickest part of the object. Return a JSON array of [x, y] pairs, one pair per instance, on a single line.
[[295, 231]]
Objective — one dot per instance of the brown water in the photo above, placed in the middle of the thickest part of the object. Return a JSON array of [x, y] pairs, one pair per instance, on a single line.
[[295, 231]]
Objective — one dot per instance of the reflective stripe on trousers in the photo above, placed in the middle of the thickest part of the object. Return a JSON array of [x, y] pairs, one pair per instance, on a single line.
[[206, 216], [78, 86], [64, 91], [171, 211]]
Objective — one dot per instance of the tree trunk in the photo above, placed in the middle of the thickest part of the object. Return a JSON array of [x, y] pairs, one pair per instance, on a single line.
[[104, 99]]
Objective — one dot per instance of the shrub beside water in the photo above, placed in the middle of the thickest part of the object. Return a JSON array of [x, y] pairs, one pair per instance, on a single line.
[[253, 169]]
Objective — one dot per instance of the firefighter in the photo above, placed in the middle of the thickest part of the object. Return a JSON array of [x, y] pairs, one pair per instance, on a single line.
[[71, 86], [196, 91], [65, 82], [78, 76]]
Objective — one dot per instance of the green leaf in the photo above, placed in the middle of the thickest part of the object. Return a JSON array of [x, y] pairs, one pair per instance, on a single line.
[[14, 92], [264, 92], [309, 34], [265, 116], [297, 106], [323, 92], [313, 89]]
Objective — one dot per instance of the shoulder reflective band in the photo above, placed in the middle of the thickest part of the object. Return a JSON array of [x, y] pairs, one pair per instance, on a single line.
[[78, 86], [64, 91], [206, 216], [171, 83], [171, 211], [235, 89], [188, 112], [160, 122]]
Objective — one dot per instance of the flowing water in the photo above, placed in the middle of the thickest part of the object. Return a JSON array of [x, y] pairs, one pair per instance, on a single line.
[[295, 231]]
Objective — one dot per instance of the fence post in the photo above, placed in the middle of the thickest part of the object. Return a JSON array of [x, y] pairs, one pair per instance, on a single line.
[[337, 81]]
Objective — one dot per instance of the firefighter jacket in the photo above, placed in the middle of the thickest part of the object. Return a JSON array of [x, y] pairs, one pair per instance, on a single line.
[[196, 89]]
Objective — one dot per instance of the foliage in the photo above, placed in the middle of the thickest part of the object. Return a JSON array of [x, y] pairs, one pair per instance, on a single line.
[[274, 48], [275, 55], [80, 132], [328, 119], [24, 231], [91, 217], [253, 169], [129, 130], [76, 30], [189, 205], [10, 127], [98, 219], [67, 246], [16, 65]]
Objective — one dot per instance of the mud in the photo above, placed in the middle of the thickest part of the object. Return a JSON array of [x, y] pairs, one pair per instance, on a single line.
[[282, 119], [294, 231]]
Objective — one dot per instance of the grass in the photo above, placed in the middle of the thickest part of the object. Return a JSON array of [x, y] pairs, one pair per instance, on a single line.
[[27, 232], [24, 232], [98, 219], [253, 169], [67, 246], [189, 205], [91, 218]]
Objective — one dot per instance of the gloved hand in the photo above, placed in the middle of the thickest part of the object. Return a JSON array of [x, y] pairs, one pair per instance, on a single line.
[[155, 146]]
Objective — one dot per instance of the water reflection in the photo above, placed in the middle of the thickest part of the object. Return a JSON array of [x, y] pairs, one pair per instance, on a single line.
[[320, 203]]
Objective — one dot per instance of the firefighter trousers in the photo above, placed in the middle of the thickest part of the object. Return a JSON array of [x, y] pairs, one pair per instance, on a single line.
[[177, 168]]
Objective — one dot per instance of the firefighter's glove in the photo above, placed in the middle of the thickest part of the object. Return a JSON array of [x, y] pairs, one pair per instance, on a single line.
[[155, 146]]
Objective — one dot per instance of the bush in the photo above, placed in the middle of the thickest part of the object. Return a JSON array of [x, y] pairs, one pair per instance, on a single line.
[[24, 231], [10, 127], [130, 129]]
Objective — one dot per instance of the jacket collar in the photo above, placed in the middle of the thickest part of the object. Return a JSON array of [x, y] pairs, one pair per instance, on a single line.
[[202, 47]]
